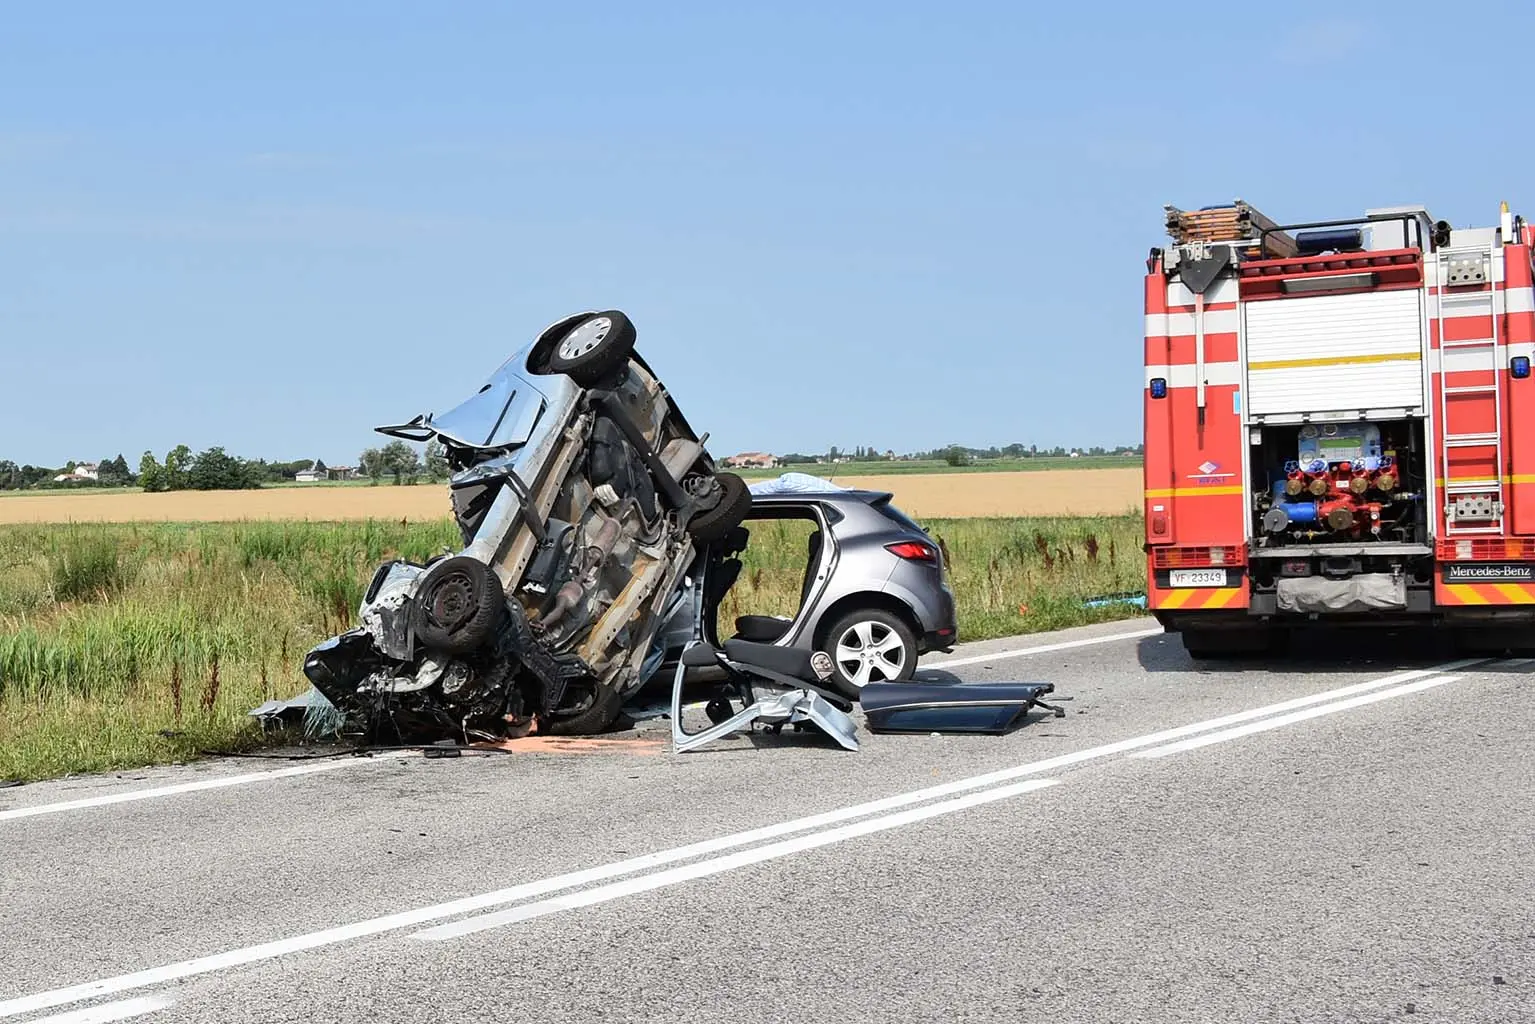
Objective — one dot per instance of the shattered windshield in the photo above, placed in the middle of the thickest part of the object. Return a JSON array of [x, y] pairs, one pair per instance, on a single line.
[[500, 414]]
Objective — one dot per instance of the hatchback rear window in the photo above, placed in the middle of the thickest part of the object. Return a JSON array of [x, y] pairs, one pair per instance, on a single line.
[[894, 514]]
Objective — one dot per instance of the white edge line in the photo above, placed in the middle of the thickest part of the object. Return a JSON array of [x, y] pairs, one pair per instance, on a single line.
[[108, 1012], [717, 865], [528, 890], [1298, 716], [280, 773], [193, 787], [1064, 645]]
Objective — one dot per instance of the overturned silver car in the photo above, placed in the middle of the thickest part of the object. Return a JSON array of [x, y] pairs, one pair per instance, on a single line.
[[582, 495]]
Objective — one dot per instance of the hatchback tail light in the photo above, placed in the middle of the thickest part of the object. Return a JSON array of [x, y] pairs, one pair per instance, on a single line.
[[914, 551]]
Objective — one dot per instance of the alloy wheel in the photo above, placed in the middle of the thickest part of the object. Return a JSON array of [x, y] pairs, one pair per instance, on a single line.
[[870, 652]]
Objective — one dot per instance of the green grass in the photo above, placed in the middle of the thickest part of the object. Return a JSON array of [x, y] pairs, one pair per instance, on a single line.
[[927, 466], [135, 644]]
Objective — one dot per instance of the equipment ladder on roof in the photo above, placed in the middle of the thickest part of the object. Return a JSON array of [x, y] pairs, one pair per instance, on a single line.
[[1471, 267]]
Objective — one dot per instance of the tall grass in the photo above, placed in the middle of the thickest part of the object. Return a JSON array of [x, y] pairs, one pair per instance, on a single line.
[[125, 645]]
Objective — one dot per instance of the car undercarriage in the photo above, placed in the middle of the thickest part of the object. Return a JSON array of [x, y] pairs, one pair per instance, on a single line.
[[581, 494]]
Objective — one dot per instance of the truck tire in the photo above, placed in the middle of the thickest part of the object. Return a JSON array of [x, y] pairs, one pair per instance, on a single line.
[[594, 349]]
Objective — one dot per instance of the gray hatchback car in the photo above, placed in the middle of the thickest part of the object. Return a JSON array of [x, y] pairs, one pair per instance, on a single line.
[[875, 595]]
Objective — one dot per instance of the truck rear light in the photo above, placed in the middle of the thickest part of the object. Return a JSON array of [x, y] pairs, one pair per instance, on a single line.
[[1479, 549], [1159, 524], [1519, 367], [1159, 386], [1197, 558], [913, 551]]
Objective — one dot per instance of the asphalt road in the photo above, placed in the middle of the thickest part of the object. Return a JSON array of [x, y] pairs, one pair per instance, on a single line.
[[1343, 838]]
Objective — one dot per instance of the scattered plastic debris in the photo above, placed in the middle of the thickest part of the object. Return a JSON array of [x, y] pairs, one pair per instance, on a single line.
[[1137, 599]]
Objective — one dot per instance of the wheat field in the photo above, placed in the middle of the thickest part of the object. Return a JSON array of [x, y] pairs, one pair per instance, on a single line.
[[1067, 492]]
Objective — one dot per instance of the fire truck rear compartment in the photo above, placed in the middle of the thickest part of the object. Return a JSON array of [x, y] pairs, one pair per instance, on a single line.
[[1339, 518]]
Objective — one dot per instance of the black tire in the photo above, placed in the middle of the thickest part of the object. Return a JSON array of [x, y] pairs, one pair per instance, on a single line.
[[734, 506], [458, 605], [591, 722], [601, 345], [882, 624]]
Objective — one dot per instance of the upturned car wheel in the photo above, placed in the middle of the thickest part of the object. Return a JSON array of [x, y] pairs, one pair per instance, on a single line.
[[734, 505], [594, 349], [457, 605], [870, 646]]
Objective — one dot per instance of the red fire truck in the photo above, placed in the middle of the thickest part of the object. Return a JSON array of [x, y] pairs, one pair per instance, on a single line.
[[1340, 427]]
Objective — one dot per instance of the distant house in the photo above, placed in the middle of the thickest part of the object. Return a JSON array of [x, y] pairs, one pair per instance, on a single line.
[[752, 460], [82, 471], [312, 475]]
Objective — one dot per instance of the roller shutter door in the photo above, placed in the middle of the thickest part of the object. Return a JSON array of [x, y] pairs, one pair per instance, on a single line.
[[1331, 353]]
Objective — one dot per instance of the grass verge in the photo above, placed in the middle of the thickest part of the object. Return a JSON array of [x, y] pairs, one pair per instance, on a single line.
[[123, 645]]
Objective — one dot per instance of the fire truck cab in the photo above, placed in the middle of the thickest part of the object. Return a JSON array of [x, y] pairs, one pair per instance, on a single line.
[[1340, 427]]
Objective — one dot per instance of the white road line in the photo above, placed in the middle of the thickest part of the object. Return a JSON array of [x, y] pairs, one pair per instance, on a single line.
[[1064, 645], [192, 787], [1299, 716], [717, 865], [281, 773], [542, 887], [108, 1012]]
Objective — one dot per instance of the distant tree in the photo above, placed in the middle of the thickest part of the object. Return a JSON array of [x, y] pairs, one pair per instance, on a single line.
[[371, 463], [956, 456], [216, 470], [178, 462], [436, 460], [121, 471], [319, 467], [151, 474], [401, 460], [10, 475], [110, 474]]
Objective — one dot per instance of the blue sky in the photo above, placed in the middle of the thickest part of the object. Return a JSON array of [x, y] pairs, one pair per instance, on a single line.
[[273, 227]]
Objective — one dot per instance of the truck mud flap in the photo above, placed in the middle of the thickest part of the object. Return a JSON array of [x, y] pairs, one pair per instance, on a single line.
[[951, 707], [1367, 592]]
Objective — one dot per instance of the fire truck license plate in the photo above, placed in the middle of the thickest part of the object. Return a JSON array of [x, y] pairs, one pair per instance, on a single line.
[[1198, 577]]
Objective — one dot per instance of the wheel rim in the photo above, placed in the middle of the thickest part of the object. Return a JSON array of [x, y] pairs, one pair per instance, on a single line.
[[452, 601], [585, 338], [870, 652]]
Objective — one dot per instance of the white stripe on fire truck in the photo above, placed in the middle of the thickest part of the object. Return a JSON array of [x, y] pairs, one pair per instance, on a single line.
[[1217, 375], [1224, 290], [1226, 321], [1468, 360], [1515, 300], [1181, 325]]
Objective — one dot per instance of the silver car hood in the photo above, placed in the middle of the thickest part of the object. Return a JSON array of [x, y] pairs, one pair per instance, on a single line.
[[500, 416]]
